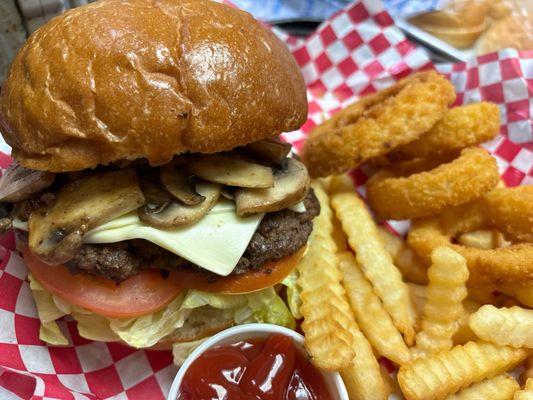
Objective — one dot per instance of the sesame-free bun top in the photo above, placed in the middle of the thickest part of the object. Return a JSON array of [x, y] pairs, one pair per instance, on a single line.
[[120, 80]]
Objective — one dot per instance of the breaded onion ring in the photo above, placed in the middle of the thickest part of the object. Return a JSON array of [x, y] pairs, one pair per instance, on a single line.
[[501, 266], [378, 123], [399, 194], [511, 210], [460, 127]]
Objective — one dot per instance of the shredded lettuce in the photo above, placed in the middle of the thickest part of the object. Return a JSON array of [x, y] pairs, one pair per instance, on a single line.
[[262, 306]]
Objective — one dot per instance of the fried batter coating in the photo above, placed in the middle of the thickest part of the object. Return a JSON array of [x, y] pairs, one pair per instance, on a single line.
[[460, 127], [511, 209], [392, 194], [504, 266], [378, 123]]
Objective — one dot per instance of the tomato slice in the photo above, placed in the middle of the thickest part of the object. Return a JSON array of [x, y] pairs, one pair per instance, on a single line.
[[141, 294], [148, 291], [266, 276]]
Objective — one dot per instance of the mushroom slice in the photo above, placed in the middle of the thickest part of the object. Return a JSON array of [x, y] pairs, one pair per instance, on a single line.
[[228, 192], [154, 192], [291, 185], [271, 150], [56, 230], [231, 171], [176, 214], [179, 183], [19, 183]]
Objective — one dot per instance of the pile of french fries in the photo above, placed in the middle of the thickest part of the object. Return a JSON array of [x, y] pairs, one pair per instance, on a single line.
[[366, 296]]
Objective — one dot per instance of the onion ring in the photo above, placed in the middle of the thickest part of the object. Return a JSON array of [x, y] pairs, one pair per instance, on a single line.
[[460, 127], [511, 209], [501, 266], [378, 123], [397, 193]]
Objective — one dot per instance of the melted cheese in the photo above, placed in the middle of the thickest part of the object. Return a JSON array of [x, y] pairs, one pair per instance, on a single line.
[[215, 243]]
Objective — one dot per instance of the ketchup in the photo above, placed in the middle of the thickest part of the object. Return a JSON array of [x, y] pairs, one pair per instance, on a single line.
[[255, 369]]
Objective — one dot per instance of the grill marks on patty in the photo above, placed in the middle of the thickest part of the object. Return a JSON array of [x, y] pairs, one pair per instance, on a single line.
[[279, 234]]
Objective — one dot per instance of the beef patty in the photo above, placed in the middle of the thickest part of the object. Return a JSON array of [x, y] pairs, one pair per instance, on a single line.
[[279, 234]]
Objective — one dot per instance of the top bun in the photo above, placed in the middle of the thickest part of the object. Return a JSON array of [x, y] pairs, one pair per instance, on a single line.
[[120, 80]]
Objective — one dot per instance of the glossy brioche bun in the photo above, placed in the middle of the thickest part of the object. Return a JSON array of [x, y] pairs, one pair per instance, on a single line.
[[120, 80]]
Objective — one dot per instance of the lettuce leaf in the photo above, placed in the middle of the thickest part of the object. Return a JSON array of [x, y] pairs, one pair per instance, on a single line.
[[49, 331], [180, 351], [262, 306], [293, 293], [147, 330], [269, 308], [95, 327], [46, 307]]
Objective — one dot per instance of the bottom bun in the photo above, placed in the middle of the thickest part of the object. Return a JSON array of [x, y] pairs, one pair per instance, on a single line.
[[203, 322]]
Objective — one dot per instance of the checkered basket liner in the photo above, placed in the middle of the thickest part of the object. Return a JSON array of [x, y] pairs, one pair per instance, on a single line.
[[355, 52]]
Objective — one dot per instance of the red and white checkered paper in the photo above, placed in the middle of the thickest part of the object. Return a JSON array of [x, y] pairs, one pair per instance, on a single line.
[[355, 52]]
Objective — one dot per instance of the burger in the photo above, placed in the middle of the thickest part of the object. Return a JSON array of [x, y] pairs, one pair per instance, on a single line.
[[153, 200]]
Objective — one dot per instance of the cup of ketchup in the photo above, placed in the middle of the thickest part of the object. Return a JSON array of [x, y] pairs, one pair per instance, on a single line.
[[254, 362]]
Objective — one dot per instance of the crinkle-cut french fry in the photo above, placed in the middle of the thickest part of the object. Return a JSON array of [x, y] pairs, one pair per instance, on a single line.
[[363, 379], [526, 393], [444, 305], [328, 320], [504, 326], [374, 321], [418, 296], [388, 380], [409, 264], [501, 387], [528, 372], [374, 260], [480, 239], [464, 334], [483, 239], [438, 375], [325, 183], [391, 382], [339, 237]]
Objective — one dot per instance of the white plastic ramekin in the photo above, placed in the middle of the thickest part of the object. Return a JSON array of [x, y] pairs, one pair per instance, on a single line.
[[333, 380]]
